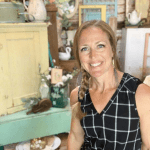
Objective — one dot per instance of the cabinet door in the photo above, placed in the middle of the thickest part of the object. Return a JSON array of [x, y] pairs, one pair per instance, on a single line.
[[3, 78], [22, 54]]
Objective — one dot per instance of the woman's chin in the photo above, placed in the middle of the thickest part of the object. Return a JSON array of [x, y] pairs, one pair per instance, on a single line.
[[96, 74]]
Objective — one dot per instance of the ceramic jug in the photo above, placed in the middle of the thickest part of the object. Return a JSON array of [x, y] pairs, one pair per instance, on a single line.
[[133, 17], [37, 9]]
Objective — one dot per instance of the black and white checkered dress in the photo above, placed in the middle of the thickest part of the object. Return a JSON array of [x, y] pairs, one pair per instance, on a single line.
[[117, 126]]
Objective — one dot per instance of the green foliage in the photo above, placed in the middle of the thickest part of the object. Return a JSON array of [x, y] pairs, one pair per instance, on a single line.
[[30, 102], [138, 24], [65, 22]]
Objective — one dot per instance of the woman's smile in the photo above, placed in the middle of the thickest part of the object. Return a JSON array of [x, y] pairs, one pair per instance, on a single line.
[[96, 64]]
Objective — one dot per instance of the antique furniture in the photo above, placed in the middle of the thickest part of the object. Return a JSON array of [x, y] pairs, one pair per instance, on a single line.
[[23, 47], [146, 56], [20, 127], [52, 32], [132, 51]]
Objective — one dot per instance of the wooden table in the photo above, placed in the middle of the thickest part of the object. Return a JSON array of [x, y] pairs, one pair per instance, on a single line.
[[20, 127]]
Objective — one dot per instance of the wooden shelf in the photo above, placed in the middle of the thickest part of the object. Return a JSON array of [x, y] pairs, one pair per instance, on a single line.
[[68, 65]]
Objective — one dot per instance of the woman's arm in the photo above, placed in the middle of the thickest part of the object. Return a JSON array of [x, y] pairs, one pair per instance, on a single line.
[[143, 107], [76, 135]]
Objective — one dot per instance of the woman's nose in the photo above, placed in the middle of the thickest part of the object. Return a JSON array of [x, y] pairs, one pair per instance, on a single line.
[[93, 54]]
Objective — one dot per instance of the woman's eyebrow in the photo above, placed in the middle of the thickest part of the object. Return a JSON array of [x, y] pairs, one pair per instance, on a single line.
[[100, 42], [84, 45]]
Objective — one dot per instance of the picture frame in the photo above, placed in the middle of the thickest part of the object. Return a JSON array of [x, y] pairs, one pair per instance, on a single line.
[[102, 7], [56, 75], [144, 71]]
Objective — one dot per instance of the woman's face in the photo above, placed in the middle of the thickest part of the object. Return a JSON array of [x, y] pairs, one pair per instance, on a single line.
[[95, 51]]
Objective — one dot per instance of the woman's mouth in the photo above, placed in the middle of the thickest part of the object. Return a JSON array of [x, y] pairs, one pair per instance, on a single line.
[[95, 65]]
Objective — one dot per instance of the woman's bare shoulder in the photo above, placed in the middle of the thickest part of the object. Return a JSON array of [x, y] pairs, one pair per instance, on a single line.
[[74, 96], [143, 98], [143, 107]]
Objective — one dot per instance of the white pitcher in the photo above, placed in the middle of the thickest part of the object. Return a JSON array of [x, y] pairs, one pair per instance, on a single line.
[[37, 9], [133, 17]]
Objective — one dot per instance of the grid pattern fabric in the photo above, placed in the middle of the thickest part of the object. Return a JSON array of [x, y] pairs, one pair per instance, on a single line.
[[117, 126]]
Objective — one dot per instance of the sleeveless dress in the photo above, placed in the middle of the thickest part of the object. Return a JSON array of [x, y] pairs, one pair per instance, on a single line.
[[117, 126]]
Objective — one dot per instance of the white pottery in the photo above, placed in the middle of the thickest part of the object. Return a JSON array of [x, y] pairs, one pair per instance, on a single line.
[[70, 34], [65, 56], [133, 17], [37, 9]]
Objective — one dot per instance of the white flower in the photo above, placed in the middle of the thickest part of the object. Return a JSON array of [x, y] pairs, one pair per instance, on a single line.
[[59, 84], [64, 78], [38, 145], [32, 101], [49, 69], [71, 8], [54, 60], [48, 77], [40, 141], [36, 142], [69, 76]]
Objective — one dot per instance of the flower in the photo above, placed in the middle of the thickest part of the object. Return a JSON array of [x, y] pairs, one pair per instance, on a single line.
[[54, 60], [64, 78], [58, 87], [32, 101], [59, 84], [49, 68], [48, 77], [69, 76]]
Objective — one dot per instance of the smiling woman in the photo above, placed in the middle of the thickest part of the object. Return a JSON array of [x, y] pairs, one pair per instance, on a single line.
[[108, 111]]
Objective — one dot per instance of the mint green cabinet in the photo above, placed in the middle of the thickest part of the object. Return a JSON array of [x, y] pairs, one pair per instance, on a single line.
[[20, 127]]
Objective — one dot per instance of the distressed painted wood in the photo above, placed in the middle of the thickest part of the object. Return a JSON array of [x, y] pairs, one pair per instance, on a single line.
[[145, 55], [142, 7], [20, 127], [23, 46]]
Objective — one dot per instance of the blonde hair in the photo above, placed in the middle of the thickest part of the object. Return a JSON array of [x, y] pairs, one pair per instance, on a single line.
[[107, 29]]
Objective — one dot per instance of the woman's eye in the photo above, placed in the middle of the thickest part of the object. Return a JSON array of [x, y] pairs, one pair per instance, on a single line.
[[84, 49], [101, 46]]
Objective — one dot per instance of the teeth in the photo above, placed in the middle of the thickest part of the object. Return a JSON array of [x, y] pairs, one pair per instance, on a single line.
[[94, 65]]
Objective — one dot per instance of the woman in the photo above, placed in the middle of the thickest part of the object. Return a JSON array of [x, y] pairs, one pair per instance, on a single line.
[[111, 109]]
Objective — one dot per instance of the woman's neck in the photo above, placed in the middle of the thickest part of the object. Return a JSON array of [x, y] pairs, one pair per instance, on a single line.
[[107, 81]]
